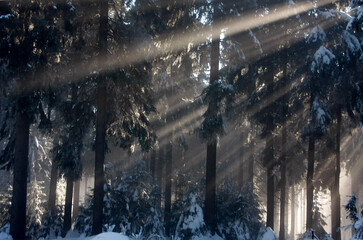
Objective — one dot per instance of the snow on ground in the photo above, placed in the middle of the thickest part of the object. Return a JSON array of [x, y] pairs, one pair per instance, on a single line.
[[102, 236], [109, 236], [215, 237], [269, 235]]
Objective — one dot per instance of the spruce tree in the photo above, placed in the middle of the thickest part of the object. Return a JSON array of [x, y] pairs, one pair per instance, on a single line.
[[31, 41]]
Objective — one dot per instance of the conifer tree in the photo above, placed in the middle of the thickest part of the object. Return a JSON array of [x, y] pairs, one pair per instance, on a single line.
[[213, 120], [101, 122], [31, 43]]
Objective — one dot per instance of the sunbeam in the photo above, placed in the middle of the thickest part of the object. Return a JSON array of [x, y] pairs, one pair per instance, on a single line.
[[142, 50]]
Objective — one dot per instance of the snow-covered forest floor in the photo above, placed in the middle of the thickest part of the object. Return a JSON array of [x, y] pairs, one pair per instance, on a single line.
[[269, 235]]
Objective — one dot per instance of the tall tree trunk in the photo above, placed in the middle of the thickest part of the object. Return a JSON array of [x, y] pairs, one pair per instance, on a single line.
[[309, 184], [68, 206], [241, 168], [99, 160], [335, 195], [251, 162], [153, 163], [287, 207], [76, 190], [70, 177], [85, 187], [210, 195], [303, 207], [293, 210], [20, 172], [168, 171], [146, 156], [210, 211], [53, 189], [269, 161], [101, 122], [241, 160], [159, 173], [270, 198], [283, 184]]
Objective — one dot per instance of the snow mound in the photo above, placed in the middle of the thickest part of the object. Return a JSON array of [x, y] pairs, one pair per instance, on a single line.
[[215, 237], [5, 236], [269, 235], [110, 236]]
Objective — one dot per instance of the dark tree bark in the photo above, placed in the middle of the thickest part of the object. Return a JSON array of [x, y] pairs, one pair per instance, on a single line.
[[335, 195], [153, 163], [70, 177], [309, 184], [159, 173], [20, 173], [168, 174], [68, 206], [210, 211], [251, 162], [270, 198], [241, 167], [283, 184], [101, 122], [270, 185], [287, 206], [210, 196], [269, 159], [76, 190], [146, 156], [53, 189], [99, 160], [21, 148]]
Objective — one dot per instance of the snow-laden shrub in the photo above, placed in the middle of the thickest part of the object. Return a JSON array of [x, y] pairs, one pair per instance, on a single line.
[[358, 226], [191, 223], [185, 185], [83, 223], [36, 207], [52, 225], [318, 222], [351, 208], [244, 222], [129, 205], [153, 226], [353, 215]]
